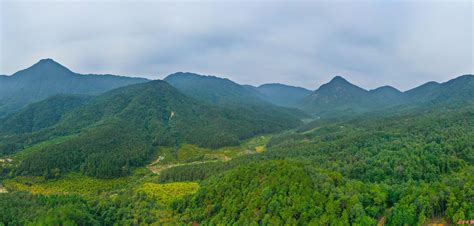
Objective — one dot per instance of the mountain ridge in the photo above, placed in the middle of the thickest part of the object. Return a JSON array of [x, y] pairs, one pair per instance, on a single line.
[[213, 89], [283, 95], [134, 120], [339, 96], [47, 78]]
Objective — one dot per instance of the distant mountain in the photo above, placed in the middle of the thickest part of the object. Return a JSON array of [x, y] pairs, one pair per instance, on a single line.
[[423, 92], [283, 95], [122, 128], [226, 93], [47, 78], [340, 97], [387, 94], [214, 90], [460, 89]]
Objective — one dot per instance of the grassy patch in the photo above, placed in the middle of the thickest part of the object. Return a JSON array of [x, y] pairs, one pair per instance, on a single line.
[[190, 153], [167, 193], [73, 183]]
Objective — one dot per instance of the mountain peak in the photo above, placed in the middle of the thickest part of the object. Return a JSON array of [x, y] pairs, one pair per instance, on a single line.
[[462, 78], [48, 64], [44, 68], [386, 89], [338, 79], [47, 60], [190, 75]]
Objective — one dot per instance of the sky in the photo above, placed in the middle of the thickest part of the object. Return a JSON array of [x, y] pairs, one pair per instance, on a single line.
[[301, 43]]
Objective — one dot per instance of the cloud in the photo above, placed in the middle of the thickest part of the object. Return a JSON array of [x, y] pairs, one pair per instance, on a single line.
[[371, 43]]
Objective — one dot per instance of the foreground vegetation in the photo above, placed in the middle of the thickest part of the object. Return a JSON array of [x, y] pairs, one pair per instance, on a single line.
[[406, 169]]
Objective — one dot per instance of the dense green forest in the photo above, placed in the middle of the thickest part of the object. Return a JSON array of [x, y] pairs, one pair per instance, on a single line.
[[123, 128], [408, 169], [412, 168], [148, 154]]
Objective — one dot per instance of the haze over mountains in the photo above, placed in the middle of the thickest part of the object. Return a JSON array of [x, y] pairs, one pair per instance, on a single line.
[[47, 78], [283, 95], [340, 96]]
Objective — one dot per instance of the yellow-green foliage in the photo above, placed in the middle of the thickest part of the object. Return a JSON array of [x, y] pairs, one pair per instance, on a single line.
[[192, 153], [260, 149], [71, 183], [167, 193]]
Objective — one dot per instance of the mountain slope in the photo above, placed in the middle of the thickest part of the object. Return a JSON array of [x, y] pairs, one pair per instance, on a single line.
[[47, 78], [228, 94], [123, 127], [213, 90], [283, 95], [460, 89], [422, 92], [41, 114]]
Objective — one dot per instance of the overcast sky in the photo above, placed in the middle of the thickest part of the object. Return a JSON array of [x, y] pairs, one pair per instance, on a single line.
[[370, 43]]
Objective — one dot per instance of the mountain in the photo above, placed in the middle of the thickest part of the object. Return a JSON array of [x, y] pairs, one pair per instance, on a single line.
[[124, 127], [47, 78], [338, 95], [228, 94], [460, 89], [423, 92], [283, 95], [214, 90], [387, 94]]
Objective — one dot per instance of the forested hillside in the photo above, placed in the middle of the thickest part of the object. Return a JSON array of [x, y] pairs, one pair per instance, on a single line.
[[214, 90], [147, 153], [123, 128], [412, 168], [408, 169], [41, 115], [236, 112], [228, 94]]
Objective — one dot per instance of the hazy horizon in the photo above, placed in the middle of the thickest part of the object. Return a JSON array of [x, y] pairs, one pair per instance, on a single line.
[[255, 85], [305, 44]]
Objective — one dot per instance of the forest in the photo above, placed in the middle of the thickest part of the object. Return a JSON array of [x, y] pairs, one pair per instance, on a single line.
[[237, 112], [406, 169], [210, 151]]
